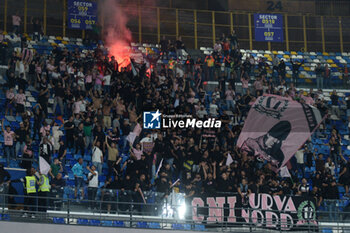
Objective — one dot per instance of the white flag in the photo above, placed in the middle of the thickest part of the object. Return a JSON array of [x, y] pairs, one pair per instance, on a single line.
[[159, 167], [284, 172], [175, 183], [44, 166], [229, 160], [134, 72]]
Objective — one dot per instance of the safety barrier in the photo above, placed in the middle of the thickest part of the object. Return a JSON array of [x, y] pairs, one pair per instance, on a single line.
[[174, 211]]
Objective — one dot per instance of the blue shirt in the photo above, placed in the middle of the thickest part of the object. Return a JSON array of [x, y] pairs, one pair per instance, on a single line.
[[78, 170]]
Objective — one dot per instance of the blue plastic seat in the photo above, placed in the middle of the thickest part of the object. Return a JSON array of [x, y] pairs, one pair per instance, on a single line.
[[142, 225], [87, 158], [187, 227], [70, 183], [94, 222], [327, 230], [58, 220], [177, 226], [4, 217], [341, 189], [199, 228], [154, 225], [69, 156], [82, 221], [107, 223], [102, 178], [118, 223], [71, 176]]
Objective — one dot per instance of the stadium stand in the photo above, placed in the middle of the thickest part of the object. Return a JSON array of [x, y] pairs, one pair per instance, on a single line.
[[73, 122]]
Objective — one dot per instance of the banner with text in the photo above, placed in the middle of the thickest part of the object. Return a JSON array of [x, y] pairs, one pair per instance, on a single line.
[[268, 27], [82, 14], [262, 210]]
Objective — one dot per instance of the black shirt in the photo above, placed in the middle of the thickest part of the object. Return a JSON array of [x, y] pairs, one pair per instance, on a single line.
[[162, 185], [334, 99], [59, 92], [286, 190], [69, 125], [43, 86], [275, 189], [100, 136], [79, 134], [125, 129], [332, 192], [178, 44], [115, 184], [144, 185], [348, 103], [22, 135], [4, 175], [128, 184], [223, 185], [163, 45], [36, 27], [209, 186], [56, 184], [61, 150]]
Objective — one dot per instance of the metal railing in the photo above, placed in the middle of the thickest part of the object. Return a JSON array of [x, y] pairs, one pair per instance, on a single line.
[[198, 28], [122, 208]]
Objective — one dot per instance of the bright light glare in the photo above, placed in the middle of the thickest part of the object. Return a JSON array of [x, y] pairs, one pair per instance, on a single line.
[[167, 211], [182, 210]]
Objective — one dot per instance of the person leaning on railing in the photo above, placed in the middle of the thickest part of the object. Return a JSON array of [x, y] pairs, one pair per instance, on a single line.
[[109, 190]]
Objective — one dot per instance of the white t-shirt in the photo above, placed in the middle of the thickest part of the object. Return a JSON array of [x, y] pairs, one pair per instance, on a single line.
[[96, 155], [213, 109], [330, 167], [216, 95], [55, 75], [82, 106], [21, 68], [93, 183], [282, 87], [179, 72], [70, 70], [146, 139], [107, 80], [161, 79], [201, 113]]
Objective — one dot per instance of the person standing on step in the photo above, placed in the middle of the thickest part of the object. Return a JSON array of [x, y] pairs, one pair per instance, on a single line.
[[44, 190], [30, 183]]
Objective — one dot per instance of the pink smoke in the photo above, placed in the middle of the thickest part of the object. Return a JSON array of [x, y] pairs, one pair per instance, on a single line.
[[115, 33]]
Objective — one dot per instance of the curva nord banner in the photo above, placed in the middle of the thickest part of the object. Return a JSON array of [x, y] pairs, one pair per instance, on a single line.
[[276, 127], [261, 210]]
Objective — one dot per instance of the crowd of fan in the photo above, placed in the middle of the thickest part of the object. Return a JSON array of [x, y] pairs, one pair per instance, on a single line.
[[98, 108]]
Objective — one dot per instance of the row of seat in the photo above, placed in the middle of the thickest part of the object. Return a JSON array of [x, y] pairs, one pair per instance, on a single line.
[[141, 224]]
